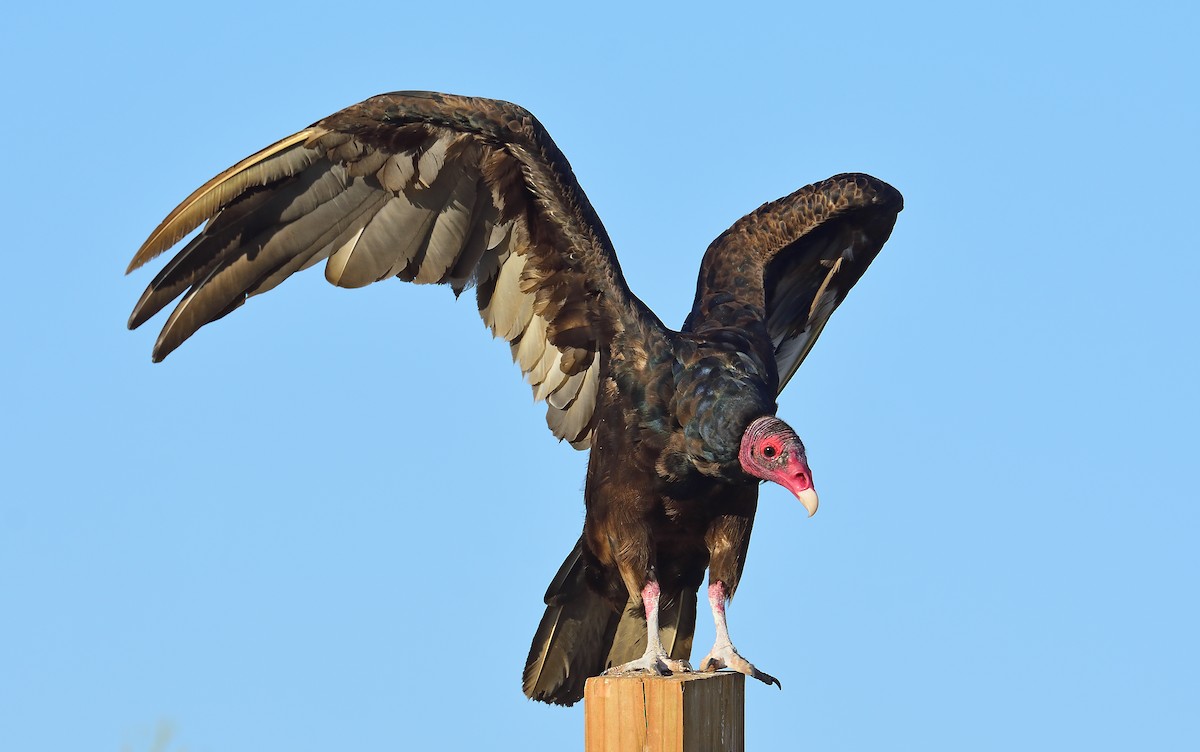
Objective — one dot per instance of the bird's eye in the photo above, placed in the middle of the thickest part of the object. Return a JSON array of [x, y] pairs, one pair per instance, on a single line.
[[769, 452]]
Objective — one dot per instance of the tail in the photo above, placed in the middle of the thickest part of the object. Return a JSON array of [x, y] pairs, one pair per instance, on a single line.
[[581, 634]]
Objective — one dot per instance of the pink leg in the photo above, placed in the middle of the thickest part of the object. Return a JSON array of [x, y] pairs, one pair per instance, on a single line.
[[724, 654], [655, 659]]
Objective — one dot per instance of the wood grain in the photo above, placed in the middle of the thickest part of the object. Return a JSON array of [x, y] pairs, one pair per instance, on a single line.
[[681, 713]]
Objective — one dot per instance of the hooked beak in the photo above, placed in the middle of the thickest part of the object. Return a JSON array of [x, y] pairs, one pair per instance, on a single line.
[[797, 478], [808, 497]]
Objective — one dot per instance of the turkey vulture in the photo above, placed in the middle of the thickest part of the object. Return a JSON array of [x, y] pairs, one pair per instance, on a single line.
[[436, 188]]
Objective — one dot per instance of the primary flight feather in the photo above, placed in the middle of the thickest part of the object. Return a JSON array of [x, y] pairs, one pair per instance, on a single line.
[[443, 189]]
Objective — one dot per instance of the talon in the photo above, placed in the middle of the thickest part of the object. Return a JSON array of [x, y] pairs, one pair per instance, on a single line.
[[766, 678], [652, 662], [674, 666], [728, 657]]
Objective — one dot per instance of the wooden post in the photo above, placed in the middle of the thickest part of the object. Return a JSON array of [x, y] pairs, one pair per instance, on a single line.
[[681, 713]]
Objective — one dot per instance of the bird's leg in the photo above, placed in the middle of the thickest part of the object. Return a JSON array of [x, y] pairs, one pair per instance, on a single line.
[[655, 660], [724, 654]]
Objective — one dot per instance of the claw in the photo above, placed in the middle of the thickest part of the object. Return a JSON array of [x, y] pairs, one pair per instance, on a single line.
[[728, 657], [655, 660], [724, 654], [652, 662]]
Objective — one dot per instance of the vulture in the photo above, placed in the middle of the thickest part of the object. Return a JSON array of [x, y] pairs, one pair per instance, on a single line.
[[467, 192]]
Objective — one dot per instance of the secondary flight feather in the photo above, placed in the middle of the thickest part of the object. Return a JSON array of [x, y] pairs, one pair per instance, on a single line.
[[467, 192]]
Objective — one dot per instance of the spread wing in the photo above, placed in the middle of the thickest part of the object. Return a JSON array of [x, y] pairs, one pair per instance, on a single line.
[[791, 262], [429, 188]]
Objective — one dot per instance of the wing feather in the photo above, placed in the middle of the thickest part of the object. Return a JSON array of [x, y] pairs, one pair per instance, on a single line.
[[508, 309], [228, 283], [572, 420], [449, 236], [789, 264], [528, 351], [387, 244], [282, 158], [430, 188]]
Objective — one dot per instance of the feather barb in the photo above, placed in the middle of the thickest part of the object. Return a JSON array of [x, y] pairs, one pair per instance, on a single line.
[[209, 198]]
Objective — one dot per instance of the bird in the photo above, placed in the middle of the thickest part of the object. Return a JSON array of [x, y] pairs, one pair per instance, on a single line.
[[681, 424]]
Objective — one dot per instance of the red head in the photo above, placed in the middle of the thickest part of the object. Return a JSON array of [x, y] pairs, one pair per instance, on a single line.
[[771, 450]]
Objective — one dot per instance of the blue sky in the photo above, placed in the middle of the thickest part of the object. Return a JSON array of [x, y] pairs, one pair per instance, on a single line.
[[328, 520]]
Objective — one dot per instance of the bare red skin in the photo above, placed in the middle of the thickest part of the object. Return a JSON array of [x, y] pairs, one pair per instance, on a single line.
[[717, 595], [650, 595], [771, 450]]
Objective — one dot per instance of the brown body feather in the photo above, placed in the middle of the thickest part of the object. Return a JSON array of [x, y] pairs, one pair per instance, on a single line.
[[441, 189]]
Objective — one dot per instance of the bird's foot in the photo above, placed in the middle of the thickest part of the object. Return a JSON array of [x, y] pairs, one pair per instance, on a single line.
[[726, 656], [658, 663]]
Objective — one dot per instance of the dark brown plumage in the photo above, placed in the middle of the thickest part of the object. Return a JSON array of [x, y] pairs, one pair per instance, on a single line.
[[435, 188]]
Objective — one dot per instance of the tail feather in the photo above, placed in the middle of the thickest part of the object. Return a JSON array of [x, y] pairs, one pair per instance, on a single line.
[[572, 639], [676, 627], [581, 634]]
